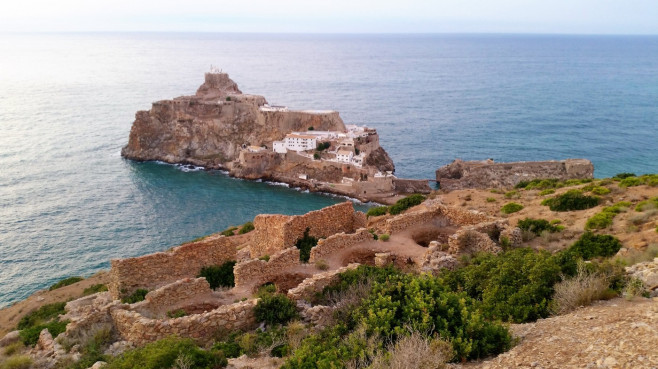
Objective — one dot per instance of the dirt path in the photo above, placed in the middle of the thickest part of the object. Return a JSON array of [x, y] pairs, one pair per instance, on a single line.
[[609, 334], [10, 315]]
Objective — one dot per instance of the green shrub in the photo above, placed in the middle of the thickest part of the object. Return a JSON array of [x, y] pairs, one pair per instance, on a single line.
[[377, 211], [374, 235], [591, 245], [323, 146], [316, 155], [137, 296], [13, 348], [305, 244], [384, 237], [624, 175], [511, 207], [228, 98], [548, 191], [17, 362], [491, 199], [571, 200], [275, 309], [65, 282], [30, 336], [266, 289], [536, 226], [264, 258], [604, 218], [406, 203], [94, 289], [647, 179], [647, 204], [599, 190], [230, 347], [42, 315], [246, 228], [229, 231], [512, 194], [219, 275], [179, 313], [514, 286], [163, 354], [93, 350]]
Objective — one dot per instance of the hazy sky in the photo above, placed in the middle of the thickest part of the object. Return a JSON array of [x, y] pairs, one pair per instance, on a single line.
[[334, 16]]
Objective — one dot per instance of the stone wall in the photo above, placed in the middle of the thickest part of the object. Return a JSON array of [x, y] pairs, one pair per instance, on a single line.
[[469, 241], [274, 233], [337, 242], [155, 270], [411, 186], [317, 283], [172, 296], [253, 273], [133, 327], [455, 216], [487, 174]]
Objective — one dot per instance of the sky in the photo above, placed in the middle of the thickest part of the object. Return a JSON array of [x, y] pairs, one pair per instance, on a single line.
[[334, 16]]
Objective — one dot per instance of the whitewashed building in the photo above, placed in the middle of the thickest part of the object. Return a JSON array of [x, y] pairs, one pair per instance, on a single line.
[[279, 147], [344, 155], [300, 142]]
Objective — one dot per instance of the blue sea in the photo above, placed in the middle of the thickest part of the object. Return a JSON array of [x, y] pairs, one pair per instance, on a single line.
[[69, 202]]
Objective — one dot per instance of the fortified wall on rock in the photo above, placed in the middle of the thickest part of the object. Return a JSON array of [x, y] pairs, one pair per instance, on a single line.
[[427, 238], [488, 174]]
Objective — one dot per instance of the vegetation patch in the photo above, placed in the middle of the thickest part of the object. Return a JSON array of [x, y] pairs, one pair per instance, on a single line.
[[65, 282], [275, 309], [167, 353], [137, 296], [178, 313], [571, 200], [647, 204], [246, 228], [219, 275], [229, 231], [30, 335], [377, 211], [17, 362], [581, 290], [647, 179], [511, 207], [543, 184], [406, 203], [305, 244], [512, 194], [94, 289], [384, 237], [537, 226], [491, 199], [546, 192], [604, 218], [591, 245], [44, 314], [600, 190]]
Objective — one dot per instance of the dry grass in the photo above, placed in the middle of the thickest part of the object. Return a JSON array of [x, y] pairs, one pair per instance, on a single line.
[[633, 256], [415, 352], [344, 301], [581, 290]]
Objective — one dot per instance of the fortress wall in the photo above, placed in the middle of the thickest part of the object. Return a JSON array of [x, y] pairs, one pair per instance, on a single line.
[[338, 242], [274, 233], [317, 283], [173, 295], [161, 268], [203, 328], [257, 272]]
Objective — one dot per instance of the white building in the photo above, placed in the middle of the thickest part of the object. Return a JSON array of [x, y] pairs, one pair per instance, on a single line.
[[279, 147], [344, 155], [300, 142]]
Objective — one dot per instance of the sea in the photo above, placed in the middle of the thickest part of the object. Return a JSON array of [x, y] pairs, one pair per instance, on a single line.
[[69, 203]]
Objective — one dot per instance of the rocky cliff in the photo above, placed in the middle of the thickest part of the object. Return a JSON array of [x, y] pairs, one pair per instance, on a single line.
[[488, 174]]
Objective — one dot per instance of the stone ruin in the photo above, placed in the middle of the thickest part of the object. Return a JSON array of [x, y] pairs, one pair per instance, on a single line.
[[171, 276], [488, 174]]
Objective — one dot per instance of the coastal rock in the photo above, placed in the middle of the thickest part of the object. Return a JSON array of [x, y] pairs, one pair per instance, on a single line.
[[488, 174], [9, 338]]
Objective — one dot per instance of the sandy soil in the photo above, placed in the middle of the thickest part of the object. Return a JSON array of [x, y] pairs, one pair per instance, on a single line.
[[10, 316]]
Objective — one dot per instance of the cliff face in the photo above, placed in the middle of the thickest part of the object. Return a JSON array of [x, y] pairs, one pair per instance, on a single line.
[[212, 126]]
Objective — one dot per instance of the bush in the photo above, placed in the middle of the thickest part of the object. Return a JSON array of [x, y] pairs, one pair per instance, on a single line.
[[647, 204], [229, 231], [92, 350], [17, 362], [591, 245], [179, 313], [65, 282], [406, 203], [322, 265], [137, 296], [163, 354], [423, 352], [514, 286], [624, 175], [305, 244], [275, 309], [384, 237], [30, 336], [377, 211], [511, 207], [44, 314], [219, 275], [491, 199], [549, 191], [246, 228], [604, 218], [13, 348], [647, 179], [581, 290], [94, 289], [266, 289], [323, 146], [571, 200], [599, 190], [536, 226], [512, 194], [316, 155]]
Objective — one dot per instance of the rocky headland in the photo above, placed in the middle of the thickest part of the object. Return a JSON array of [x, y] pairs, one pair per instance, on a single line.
[[221, 128]]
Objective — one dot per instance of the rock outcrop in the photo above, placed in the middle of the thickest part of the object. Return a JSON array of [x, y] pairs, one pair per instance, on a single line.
[[488, 174]]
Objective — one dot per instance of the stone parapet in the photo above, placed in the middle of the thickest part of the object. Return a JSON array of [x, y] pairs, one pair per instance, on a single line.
[[317, 283], [257, 272], [173, 295], [338, 242]]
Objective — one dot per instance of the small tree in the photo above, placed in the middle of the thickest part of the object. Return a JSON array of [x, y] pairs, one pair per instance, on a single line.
[[305, 244]]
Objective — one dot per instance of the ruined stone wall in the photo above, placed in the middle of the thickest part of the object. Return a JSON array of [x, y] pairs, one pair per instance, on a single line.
[[274, 233], [338, 242], [487, 174], [139, 330], [257, 272], [379, 186], [172, 296], [155, 270], [454, 215], [317, 283], [470, 241]]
